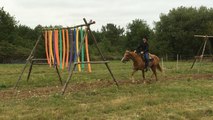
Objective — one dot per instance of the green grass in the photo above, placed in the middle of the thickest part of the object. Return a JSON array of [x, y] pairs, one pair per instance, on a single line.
[[178, 95]]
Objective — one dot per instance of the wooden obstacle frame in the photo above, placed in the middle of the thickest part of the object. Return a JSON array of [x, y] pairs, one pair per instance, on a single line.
[[201, 54], [32, 60]]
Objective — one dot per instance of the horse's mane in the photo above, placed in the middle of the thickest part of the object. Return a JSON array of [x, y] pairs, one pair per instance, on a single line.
[[138, 56]]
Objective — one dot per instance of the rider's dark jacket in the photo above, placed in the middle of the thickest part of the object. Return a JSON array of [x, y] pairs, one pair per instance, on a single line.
[[142, 47]]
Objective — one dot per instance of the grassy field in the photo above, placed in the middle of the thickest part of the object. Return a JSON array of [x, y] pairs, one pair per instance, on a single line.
[[180, 93]]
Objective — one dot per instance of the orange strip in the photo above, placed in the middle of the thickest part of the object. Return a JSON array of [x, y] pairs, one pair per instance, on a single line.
[[67, 39], [56, 47], [87, 51], [46, 46], [64, 48]]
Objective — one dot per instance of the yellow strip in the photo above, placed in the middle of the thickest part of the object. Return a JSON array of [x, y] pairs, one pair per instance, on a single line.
[[50, 48], [68, 47], [77, 49]]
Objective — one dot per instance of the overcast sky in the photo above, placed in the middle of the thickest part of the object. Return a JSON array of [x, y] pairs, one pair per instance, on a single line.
[[71, 12]]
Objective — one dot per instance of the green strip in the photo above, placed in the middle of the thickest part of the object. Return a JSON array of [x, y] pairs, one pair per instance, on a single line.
[[61, 51], [82, 48]]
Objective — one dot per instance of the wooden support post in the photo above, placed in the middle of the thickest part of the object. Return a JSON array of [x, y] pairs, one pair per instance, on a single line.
[[68, 79], [103, 58], [30, 69], [59, 76], [195, 59], [19, 78], [204, 47]]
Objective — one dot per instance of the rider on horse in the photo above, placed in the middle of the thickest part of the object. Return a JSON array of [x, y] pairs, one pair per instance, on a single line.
[[143, 49]]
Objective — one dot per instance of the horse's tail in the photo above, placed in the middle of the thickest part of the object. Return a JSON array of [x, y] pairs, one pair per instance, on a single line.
[[159, 68]]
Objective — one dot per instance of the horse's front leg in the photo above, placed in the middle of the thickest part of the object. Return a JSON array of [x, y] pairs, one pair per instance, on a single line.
[[132, 78], [143, 75]]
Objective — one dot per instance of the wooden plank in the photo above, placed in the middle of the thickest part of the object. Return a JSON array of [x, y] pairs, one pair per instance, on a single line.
[[77, 26], [203, 36], [92, 62]]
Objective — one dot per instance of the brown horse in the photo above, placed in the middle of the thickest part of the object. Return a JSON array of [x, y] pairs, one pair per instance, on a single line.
[[139, 63]]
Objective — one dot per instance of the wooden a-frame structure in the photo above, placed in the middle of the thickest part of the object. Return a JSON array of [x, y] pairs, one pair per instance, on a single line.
[[32, 60], [201, 54]]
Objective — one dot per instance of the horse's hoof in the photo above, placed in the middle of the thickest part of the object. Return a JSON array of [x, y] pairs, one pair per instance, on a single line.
[[133, 80]]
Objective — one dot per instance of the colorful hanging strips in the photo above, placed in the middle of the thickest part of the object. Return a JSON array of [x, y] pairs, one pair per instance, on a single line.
[[62, 48]]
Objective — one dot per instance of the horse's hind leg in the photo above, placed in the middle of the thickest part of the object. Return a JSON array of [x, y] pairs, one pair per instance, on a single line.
[[154, 72], [132, 78], [144, 80]]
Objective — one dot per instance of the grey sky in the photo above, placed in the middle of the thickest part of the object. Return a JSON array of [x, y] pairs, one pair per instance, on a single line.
[[71, 12]]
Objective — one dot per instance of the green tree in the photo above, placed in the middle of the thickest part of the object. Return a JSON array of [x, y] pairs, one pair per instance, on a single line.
[[135, 33], [40, 53], [7, 26], [110, 40], [175, 31], [112, 33]]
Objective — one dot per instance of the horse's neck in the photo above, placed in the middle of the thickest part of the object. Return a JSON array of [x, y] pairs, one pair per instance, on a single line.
[[136, 58]]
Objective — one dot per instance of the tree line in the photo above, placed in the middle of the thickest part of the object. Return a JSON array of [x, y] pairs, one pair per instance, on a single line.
[[173, 34]]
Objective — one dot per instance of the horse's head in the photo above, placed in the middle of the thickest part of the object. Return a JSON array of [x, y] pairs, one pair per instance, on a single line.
[[126, 57]]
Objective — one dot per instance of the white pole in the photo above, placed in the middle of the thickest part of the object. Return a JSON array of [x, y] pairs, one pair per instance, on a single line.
[[162, 63], [177, 62], [162, 66]]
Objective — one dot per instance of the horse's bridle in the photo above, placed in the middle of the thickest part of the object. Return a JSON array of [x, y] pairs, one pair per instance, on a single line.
[[125, 59]]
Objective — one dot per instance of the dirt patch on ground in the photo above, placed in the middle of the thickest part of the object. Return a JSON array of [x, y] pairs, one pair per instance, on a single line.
[[189, 76], [46, 91], [21, 93]]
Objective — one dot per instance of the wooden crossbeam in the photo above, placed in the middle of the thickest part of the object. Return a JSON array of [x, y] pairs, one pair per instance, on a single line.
[[203, 36], [92, 62], [77, 26]]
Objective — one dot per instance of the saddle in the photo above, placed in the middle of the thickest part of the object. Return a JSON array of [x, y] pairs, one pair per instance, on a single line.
[[150, 57]]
